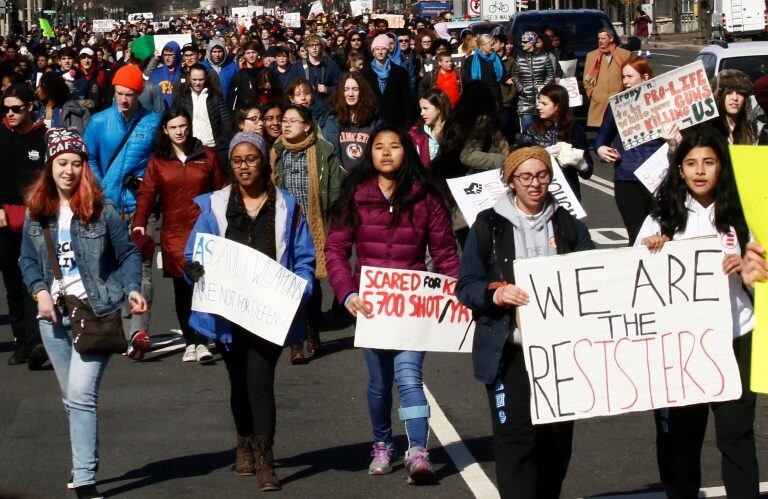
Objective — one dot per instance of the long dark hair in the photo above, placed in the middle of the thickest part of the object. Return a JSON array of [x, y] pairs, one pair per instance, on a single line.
[[164, 145], [410, 172], [670, 199], [55, 88], [742, 130], [563, 118]]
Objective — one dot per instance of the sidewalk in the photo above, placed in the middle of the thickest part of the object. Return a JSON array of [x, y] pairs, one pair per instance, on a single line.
[[680, 41]]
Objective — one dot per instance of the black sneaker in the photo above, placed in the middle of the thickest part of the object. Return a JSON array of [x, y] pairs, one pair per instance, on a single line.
[[20, 356], [37, 357], [88, 492]]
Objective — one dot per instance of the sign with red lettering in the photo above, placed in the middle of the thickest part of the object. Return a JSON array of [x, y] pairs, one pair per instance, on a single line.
[[615, 331], [682, 96], [412, 310]]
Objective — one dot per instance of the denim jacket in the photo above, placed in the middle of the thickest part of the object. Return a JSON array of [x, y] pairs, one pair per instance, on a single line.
[[109, 263]]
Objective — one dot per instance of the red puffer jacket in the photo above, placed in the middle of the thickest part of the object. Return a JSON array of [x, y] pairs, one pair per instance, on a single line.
[[377, 244], [177, 184]]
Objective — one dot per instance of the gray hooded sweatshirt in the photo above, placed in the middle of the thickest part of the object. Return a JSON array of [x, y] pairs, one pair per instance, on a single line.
[[216, 43]]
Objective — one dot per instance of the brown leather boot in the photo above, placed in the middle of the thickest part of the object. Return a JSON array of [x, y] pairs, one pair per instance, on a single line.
[[297, 354], [265, 464], [245, 462], [313, 342]]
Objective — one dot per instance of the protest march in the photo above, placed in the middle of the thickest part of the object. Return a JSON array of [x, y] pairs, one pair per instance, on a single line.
[[237, 190]]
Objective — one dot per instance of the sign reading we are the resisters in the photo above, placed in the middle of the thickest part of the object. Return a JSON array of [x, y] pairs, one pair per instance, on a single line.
[[625, 330], [682, 96], [412, 310]]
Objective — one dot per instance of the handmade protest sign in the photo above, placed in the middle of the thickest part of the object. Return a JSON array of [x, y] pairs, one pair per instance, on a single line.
[[246, 287], [572, 86], [367, 6], [478, 192], [355, 8], [412, 310], [103, 25], [615, 331], [162, 40], [751, 180], [682, 96], [393, 20], [654, 169], [292, 19]]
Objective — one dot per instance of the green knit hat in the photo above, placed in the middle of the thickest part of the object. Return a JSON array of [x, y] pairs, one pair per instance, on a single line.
[[143, 47]]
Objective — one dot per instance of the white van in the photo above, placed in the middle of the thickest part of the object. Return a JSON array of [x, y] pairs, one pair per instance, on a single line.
[[738, 19]]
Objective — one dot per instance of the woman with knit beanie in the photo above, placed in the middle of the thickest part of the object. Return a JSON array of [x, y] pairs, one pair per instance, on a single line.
[[531, 461], [305, 165], [391, 84], [253, 212]]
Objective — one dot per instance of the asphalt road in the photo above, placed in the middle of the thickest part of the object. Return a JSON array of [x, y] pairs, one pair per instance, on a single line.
[[166, 429]]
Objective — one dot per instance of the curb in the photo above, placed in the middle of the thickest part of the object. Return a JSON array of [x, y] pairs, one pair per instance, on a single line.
[[680, 46]]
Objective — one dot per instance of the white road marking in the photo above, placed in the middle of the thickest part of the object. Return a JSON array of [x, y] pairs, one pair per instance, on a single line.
[[705, 492], [599, 238], [159, 260], [668, 65], [666, 55], [601, 180], [474, 476], [599, 187]]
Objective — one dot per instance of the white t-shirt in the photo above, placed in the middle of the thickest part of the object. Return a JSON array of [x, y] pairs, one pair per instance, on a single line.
[[70, 272], [701, 222]]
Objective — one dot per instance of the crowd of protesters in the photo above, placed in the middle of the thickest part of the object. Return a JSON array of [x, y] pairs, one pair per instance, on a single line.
[[313, 144]]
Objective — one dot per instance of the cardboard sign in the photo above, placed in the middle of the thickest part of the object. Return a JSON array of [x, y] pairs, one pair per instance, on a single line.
[[615, 331], [246, 287], [162, 40], [751, 179], [682, 96], [478, 192], [572, 86], [412, 310], [394, 20], [652, 172], [292, 20], [103, 25]]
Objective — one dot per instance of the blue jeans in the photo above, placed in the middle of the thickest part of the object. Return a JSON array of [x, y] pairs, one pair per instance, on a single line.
[[79, 378], [526, 120], [384, 367]]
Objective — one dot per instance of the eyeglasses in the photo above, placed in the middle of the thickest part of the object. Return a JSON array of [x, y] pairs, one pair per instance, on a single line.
[[85, 56], [314, 45], [526, 179], [15, 109], [255, 119], [250, 161], [355, 39], [404, 40], [292, 122], [426, 42]]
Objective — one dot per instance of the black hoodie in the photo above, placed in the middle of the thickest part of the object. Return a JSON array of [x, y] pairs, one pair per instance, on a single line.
[[23, 158]]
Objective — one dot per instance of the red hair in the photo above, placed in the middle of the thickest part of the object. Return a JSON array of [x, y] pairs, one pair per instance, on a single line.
[[641, 65], [86, 202]]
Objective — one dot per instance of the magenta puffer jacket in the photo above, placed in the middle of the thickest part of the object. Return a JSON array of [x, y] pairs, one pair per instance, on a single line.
[[377, 244]]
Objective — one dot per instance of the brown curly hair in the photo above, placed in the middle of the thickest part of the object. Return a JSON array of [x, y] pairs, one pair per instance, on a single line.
[[367, 104]]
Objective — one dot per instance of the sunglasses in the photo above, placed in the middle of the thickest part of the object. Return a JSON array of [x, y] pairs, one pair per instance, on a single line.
[[355, 40], [15, 109]]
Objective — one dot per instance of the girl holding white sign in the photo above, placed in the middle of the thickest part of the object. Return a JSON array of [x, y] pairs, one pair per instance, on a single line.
[[698, 198], [531, 461], [253, 212], [390, 214]]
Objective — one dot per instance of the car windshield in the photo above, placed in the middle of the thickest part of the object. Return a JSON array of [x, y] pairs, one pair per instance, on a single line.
[[754, 65], [574, 30]]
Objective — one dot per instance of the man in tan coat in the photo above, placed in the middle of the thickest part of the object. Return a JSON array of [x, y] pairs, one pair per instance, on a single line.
[[602, 75]]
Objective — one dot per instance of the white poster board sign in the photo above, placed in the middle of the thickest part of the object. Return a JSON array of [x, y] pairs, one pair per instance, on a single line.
[[615, 331], [653, 171], [292, 20], [572, 86], [568, 68], [246, 287], [162, 40], [270, 11], [316, 8], [103, 25], [682, 96], [366, 6], [478, 192], [355, 8], [394, 20], [412, 310]]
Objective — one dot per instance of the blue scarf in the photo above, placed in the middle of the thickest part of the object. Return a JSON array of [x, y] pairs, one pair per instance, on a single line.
[[397, 55], [493, 58], [382, 73]]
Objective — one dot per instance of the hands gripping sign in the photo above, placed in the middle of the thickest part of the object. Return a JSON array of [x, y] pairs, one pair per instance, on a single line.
[[412, 310], [246, 287], [626, 330]]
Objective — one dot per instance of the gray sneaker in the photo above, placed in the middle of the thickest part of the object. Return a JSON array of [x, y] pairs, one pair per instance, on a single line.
[[418, 466], [382, 456]]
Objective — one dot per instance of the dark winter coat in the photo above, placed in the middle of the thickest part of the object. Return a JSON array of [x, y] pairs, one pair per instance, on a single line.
[[177, 184], [378, 244], [218, 115], [493, 234], [396, 103], [624, 168]]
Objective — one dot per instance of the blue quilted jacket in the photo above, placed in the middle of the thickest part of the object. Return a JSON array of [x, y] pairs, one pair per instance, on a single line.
[[103, 135]]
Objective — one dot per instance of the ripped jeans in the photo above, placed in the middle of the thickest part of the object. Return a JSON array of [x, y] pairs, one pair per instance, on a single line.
[[403, 367]]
